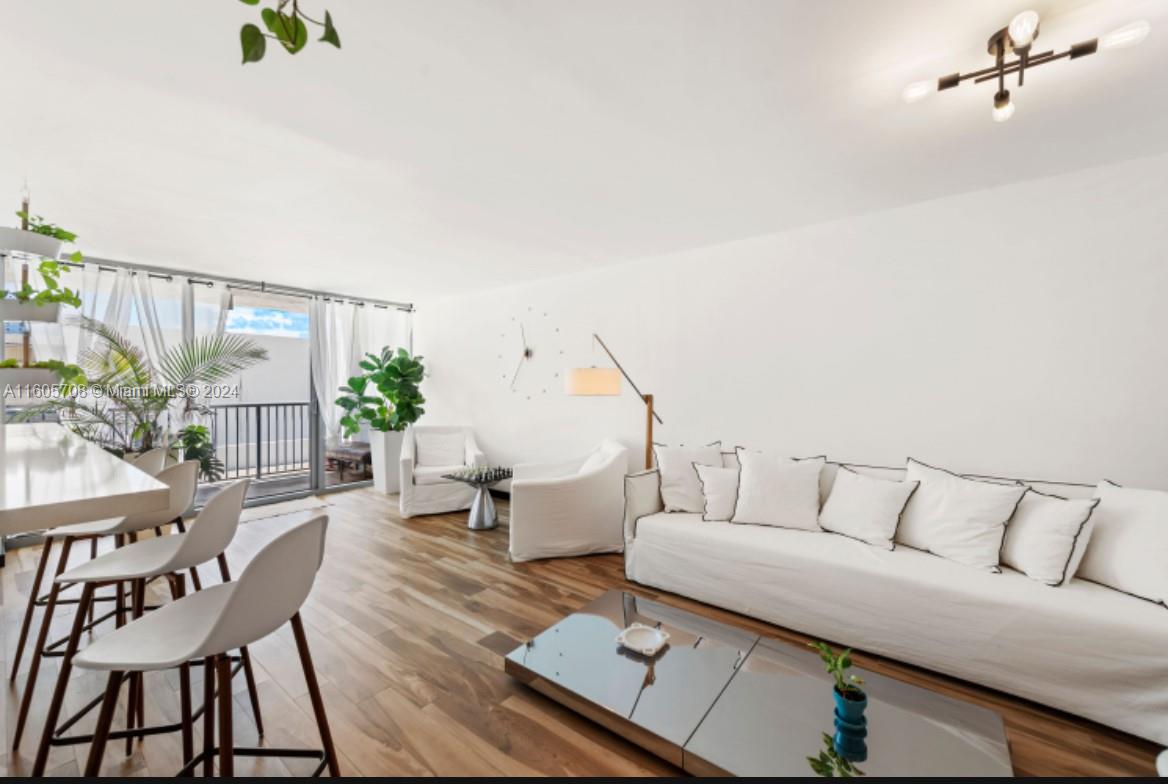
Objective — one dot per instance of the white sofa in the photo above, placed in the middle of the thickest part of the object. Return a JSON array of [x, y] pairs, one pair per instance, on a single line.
[[1082, 648], [573, 507], [423, 489]]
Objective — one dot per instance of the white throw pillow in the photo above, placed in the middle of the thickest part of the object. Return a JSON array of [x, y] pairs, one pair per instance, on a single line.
[[778, 491], [440, 449], [680, 489], [956, 517], [1047, 536], [719, 490], [865, 508], [1129, 546]]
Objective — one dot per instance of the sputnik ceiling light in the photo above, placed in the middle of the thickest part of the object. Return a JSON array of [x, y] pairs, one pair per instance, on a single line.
[[1017, 38]]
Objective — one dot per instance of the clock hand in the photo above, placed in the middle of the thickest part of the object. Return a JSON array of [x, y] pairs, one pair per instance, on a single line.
[[517, 369]]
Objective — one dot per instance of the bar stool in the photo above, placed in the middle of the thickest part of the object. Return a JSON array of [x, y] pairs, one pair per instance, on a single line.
[[152, 463], [206, 539], [205, 626], [183, 482]]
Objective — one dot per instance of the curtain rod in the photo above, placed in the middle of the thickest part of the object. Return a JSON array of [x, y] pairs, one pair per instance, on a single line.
[[163, 273]]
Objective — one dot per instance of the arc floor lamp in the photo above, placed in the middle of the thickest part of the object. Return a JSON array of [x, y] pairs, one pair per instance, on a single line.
[[595, 381]]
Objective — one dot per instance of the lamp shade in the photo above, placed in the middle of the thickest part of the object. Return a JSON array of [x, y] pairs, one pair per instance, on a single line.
[[592, 381]]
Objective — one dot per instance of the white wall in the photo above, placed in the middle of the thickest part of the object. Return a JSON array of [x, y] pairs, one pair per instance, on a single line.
[[1019, 330], [282, 379]]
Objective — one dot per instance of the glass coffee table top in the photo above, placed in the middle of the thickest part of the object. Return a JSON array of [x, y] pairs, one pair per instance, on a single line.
[[722, 700]]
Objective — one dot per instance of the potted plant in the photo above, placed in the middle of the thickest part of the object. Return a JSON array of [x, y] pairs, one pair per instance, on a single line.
[[126, 398], [850, 702], [36, 236], [195, 443], [386, 398]]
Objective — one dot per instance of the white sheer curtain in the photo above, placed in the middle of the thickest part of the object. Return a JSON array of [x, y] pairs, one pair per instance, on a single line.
[[334, 351], [106, 296], [159, 304]]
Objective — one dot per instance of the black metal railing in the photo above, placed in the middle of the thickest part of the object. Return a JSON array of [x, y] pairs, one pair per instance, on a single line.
[[262, 439]]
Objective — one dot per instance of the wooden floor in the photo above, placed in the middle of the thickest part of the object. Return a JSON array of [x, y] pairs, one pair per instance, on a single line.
[[408, 623]]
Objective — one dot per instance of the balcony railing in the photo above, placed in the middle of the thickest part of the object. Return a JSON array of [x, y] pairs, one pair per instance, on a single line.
[[262, 439]]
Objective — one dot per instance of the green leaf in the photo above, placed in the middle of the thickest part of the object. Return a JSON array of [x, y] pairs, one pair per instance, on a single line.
[[250, 2], [253, 42], [290, 30], [330, 32]]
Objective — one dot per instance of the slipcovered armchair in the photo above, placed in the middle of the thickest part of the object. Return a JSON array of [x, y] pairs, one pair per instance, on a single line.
[[427, 454], [571, 508]]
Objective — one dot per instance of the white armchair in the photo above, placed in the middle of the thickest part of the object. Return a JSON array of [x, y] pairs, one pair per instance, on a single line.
[[428, 453], [571, 508]]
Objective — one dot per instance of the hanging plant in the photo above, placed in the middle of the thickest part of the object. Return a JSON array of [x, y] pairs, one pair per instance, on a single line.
[[287, 24]]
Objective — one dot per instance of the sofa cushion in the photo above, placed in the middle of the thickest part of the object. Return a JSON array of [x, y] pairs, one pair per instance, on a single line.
[[1083, 648], [719, 491], [1047, 536], [1128, 550], [865, 507], [434, 475], [778, 491], [957, 518], [680, 489], [440, 449]]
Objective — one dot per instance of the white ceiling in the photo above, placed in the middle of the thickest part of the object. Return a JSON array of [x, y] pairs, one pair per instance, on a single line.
[[464, 144]]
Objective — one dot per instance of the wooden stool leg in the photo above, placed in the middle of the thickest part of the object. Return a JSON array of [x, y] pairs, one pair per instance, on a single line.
[[92, 555], [226, 741], [42, 757], [31, 609], [42, 639], [120, 591], [253, 693], [208, 714], [196, 583], [322, 725], [104, 719], [184, 695], [135, 704]]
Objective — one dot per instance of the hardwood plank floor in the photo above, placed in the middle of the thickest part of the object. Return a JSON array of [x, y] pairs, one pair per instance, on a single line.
[[408, 624]]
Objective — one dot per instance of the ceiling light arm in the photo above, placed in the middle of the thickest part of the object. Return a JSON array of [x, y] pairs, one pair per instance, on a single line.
[[632, 383], [1001, 70]]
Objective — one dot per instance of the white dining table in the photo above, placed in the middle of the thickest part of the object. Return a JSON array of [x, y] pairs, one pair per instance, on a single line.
[[52, 476]]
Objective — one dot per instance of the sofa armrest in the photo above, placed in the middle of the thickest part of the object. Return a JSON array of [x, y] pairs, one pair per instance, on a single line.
[[563, 468], [406, 461], [642, 497], [474, 455]]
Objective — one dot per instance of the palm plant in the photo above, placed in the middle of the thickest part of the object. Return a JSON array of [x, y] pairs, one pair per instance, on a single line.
[[126, 397]]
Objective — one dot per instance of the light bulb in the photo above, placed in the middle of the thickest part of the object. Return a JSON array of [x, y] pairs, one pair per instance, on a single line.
[[1003, 106], [1128, 35], [918, 90], [1023, 28]]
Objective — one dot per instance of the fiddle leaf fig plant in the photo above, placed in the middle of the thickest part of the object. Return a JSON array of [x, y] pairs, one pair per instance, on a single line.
[[285, 23], [386, 395]]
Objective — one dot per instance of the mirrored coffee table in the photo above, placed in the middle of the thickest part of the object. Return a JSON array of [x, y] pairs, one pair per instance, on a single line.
[[720, 700]]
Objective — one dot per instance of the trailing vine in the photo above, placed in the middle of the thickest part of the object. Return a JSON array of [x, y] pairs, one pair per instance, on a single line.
[[286, 23]]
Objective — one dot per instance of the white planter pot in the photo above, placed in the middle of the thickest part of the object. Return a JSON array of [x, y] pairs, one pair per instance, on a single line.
[[11, 310], [29, 243], [386, 451]]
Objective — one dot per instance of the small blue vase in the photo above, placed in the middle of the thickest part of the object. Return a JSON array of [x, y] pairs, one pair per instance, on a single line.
[[851, 728]]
